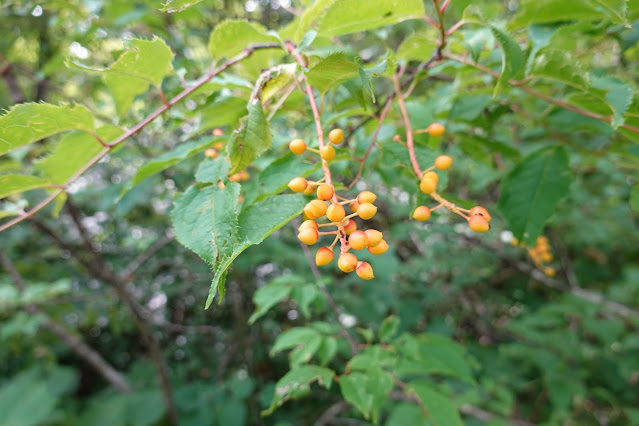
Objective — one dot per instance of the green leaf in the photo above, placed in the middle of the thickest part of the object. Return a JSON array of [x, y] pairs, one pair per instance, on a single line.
[[297, 383], [403, 414], [305, 295], [475, 40], [530, 192], [274, 85], [618, 95], [251, 141], [309, 16], [440, 409], [374, 357], [389, 328], [294, 337], [419, 46], [74, 151], [559, 65], [173, 6], [164, 161], [540, 36], [12, 184], [366, 75], [27, 123], [367, 391], [213, 171], [271, 294], [634, 198], [469, 107], [221, 112], [231, 37], [542, 11], [351, 16], [327, 350], [306, 41], [512, 58], [332, 70]]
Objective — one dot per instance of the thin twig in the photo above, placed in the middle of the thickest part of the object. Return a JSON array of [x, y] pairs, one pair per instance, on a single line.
[[407, 125]]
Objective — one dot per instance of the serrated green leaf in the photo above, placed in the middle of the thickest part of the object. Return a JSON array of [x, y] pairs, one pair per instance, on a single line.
[[618, 96], [542, 11], [13, 184], [309, 16], [475, 40], [73, 152], [212, 171], [251, 141], [440, 410], [271, 294], [221, 112], [327, 350], [332, 70], [296, 336], [388, 329], [274, 85], [232, 36], [351, 16], [306, 41], [297, 383], [530, 192], [174, 6], [419, 46], [27, 123], [366, 75], [367, 391], [374, 357], [512, 58], [540, 36], [559, 65], [634, 198]]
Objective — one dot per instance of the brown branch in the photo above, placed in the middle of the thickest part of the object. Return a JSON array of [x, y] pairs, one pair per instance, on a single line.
[[535, 93], [78, 346], [329, 415], [15, 91], [130, 132], [128, 272], [409, 130]]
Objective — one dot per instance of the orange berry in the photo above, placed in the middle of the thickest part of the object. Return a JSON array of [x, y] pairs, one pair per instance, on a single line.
[[336, 136], [308, 224], [366, 197], [347, 262], [436, 130], [365, 271], [219, 145], [318, 208], [210, 153], [297, 146], [374, 237], [541, 239], [298, 184], [354, 206], [358, 240], [335, 213], [310, 190], [421, 213], [482, 211], [366, 211], [218, 132], [350, 227], [428, 185], [431, 175], [478, 223], [327, 153], [308, 236], [240, 176], [325, 192], [324, 256], [443, 162], [547, 257], [379, 248], [550, 271]]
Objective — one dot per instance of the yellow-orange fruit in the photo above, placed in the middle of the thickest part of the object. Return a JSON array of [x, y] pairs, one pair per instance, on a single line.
[[325, 192], [327, 153], [427, 185], [354, 206], [324, 256], [308, 236], [310, 189], [358, 240], [547, 257], [478, 223], [431, 175], [482, 211], [421, 213], [308, 224], [318, 208], [374, 237], [218, 132], [366, 211], [550, 271], [297, 146], [240, 176], [336, 136], [298, 184], [347, 262], [219, 145], [365, 271], [210, 153], [436, 130], [366, 197], [379, 248], [308, 212], [350, 226], [443, 162], [335, 213]]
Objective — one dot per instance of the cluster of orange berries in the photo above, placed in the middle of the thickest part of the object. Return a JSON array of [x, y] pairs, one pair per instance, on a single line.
[[541, 254], [478, 217], [330, 205]]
